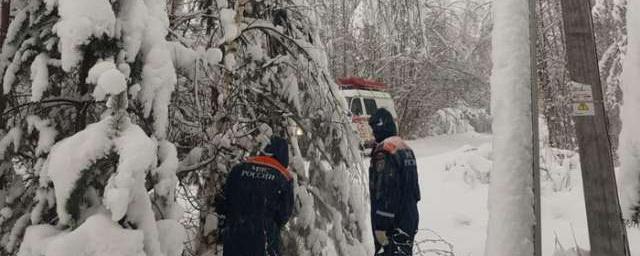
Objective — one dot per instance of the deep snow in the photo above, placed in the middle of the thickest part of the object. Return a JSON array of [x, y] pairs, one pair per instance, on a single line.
[[454, 192]]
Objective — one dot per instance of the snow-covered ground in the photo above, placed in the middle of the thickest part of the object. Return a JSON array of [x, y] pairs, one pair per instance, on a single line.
[[452, 208], [453, 172]]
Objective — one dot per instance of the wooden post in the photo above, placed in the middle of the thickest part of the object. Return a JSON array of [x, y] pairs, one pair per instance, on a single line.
[[607, 233], [535, 140]]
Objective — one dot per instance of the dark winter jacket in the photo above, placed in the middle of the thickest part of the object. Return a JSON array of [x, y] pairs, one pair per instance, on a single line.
[[394, 189], [393, 179], [258, 201]]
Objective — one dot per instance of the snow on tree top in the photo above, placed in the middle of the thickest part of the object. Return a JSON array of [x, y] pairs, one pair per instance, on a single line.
[[79, 21], [75, 154], [109, 240], [137, 155], [107, 78]]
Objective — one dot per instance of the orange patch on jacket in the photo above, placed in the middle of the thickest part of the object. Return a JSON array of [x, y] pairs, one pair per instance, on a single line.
[[271, 162], [393, 144]]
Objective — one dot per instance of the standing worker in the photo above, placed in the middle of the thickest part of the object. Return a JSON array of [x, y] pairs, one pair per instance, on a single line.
[[257, 203], [394, 189]]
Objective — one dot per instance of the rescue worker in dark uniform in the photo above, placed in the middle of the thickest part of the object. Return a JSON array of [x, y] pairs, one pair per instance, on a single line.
[[394, 189], [257, 203]]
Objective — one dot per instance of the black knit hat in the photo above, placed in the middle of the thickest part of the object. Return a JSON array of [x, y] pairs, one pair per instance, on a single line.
[[383, 125], [278, 148]]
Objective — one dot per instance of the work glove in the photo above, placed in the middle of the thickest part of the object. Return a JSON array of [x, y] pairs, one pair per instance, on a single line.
[[381, 237]]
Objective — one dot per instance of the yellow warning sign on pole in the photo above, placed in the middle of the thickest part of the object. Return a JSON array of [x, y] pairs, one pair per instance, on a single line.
[[583, 109]]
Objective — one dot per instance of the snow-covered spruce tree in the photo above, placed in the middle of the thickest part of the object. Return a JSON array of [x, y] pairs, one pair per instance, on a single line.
[[264, 72], [511, 202], [88, 85]]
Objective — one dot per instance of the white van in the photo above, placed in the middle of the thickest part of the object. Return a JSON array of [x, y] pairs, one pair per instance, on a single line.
[[365, 97]]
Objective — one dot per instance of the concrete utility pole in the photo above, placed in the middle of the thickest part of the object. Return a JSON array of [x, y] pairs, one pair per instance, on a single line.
[[535, 140], [607, 233], [513, 190]]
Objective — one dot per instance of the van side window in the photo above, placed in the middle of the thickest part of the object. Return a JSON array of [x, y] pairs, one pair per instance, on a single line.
[[370, 105], [356, 106]]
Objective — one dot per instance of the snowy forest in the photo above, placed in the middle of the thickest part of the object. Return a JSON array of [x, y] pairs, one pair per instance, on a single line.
[[121, 121]]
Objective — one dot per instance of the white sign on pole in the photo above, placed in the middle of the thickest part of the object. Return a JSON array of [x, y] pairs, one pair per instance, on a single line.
[[582, 99], [581, 92]]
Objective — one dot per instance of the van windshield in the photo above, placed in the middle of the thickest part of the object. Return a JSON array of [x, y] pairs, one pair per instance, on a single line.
[[370, 105]]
